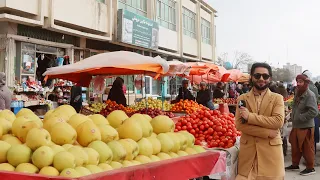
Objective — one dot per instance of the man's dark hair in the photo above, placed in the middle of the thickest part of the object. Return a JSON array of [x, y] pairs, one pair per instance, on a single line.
[[263, 65]]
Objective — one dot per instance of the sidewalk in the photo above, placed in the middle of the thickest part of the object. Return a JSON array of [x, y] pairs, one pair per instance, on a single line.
[[295, 175]]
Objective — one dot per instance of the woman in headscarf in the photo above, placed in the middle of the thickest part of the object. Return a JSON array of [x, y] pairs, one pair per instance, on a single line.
[[76, 98], [5, 93], [116, 92]]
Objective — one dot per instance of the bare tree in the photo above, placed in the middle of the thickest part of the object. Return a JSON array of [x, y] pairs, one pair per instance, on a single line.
[[240, 59]]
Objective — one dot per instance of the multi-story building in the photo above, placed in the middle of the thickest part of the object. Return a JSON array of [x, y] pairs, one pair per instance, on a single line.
[[48, 29], [293, 68]]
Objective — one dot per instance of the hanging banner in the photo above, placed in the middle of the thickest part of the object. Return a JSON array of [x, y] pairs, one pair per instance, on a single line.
[[137, 30]]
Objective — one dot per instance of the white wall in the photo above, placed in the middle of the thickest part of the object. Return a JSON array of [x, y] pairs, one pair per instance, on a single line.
[[189, 5], [89, 14], [205, 15], [2, 3], [168, 39], [31, 6], [45, 8], [190, 45], [206, 51]]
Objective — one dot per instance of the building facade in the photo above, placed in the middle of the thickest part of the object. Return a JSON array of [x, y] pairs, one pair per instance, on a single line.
[[174, 29], [293, 68]]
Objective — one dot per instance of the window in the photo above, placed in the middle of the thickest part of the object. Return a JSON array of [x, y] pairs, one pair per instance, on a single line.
[[189, 23], [166, 14], [174, 85], [135, 6], [205, 31]]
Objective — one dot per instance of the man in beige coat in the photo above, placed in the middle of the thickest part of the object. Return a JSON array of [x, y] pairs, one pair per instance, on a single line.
[[261, 155]]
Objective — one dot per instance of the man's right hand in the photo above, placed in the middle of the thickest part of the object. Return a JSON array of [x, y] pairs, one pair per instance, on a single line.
[[273, 133]]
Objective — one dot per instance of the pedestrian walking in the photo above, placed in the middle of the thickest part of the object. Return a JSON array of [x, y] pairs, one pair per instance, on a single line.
[[261, 154], [5, 93], [301, 138]]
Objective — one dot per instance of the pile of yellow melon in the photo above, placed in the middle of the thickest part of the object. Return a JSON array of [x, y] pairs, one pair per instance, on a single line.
[[68, 144]]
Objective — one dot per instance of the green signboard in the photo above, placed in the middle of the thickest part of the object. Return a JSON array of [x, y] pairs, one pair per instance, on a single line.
[[137, 30]]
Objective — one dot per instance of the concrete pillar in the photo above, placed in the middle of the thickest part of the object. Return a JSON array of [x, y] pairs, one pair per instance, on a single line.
[[213, 37], [198, 30], [10, 61]]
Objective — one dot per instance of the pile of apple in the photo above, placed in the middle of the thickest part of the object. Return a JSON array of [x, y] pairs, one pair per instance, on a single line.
[[155, 112], [152, 103], [187, 106], [97, 107], [227, 100], [73, 145], [112, 106], [210, 128]]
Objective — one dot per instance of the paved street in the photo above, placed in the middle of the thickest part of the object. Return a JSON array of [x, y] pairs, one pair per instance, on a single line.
[[295, 175]]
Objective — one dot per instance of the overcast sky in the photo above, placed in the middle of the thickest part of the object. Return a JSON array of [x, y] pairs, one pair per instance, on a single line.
[[266, 29]]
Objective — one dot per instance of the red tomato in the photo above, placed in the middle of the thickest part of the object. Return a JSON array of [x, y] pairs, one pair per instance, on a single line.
[[225, 140], [228, 134], [210, 138], [188, 123], [223, 130], [179, 128], [229, 145], [218, 141], [216, 112], [230, 141], [210, 123], [218, 128], [206, 126], [193, 116], [210, 130], [214, 144], [216, 137], [205, 133], [192, 131], [176, 130], [197, 142], [202, 127], [220, 133], [184, 127], [221, 144], [201, 138], [189, 127], [178, 124], [184, 122]]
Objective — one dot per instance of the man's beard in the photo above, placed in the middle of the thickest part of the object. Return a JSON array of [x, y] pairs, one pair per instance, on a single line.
[[260, 88]]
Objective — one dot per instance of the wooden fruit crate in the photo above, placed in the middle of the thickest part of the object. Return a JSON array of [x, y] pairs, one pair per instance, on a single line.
[[86, 111]]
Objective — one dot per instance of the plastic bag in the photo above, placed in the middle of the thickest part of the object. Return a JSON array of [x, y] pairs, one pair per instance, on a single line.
[[99, 84], [139, 82]]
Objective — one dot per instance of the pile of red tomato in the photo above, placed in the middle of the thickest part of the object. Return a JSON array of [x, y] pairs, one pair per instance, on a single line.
[[210, 128]]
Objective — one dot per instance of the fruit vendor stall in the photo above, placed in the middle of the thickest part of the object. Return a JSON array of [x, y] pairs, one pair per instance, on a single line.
[[70, 145], [125, 142]]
